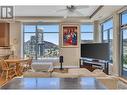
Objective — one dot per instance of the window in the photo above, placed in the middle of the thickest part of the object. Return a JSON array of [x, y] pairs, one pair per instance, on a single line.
[[41, 41], [87, 32], [107, 35], [123, 18], [123, 31]]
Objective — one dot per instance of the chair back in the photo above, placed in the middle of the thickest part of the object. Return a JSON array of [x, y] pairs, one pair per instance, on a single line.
[[30, 61], [4, 65], [6, 57]]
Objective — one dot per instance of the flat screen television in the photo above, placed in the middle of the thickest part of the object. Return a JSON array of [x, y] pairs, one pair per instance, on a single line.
[[95, 51]]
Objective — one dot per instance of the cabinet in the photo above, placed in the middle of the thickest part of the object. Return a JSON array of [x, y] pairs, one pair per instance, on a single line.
[[92, 64], [4, 35]]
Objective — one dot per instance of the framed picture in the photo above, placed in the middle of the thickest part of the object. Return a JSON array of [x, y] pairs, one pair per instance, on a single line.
[[70, 35]]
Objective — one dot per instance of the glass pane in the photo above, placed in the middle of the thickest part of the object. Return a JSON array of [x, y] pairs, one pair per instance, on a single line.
[[125, 44], [124, 18], [52, 37], [87, 28], [124, 61], [108, 24], [111, 44], [111, 34], [49, 28], [29, 28], [86, 36], [29, 45], [49, 47], [105, 36]]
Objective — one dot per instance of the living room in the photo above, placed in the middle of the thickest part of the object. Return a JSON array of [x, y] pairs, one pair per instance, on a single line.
[[39, 32]]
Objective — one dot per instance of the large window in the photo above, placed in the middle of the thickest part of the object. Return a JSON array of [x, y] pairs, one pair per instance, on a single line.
[[107, 35], [87, 32], [41, 41], [123, 25]]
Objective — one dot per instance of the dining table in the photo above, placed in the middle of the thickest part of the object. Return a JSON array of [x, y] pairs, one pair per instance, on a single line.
[[17, 62], [33, 83]]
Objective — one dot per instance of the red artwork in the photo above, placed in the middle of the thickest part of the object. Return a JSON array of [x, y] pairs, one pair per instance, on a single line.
[[70, 36]]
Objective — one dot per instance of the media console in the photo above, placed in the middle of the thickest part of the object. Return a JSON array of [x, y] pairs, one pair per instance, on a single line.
[[92, 64]]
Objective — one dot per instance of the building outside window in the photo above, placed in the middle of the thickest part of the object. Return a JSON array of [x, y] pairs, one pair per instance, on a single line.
[[87, 33], [107, 35], [41, 41]]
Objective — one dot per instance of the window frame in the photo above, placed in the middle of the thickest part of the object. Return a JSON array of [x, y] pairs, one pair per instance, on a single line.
[[108, 35], [87, 32], [36, 26], [122, 27]]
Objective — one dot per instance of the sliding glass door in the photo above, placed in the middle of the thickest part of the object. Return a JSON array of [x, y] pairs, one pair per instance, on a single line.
[[123, 18], [124, 52]]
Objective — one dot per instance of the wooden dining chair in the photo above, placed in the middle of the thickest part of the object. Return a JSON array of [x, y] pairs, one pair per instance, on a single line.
[[29, 64], [24, 66], [8, 71]]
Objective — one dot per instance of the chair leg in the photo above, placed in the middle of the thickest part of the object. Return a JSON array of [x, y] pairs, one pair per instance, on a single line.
[[16, 73], [2, 74], [7, 75]]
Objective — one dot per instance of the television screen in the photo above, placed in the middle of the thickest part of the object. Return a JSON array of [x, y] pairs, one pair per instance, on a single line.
[[95, 51]]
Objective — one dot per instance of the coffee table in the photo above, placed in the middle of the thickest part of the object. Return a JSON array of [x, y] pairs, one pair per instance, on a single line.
[[54, 83]]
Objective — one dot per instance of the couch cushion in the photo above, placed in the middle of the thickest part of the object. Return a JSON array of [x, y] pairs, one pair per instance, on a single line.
[[82, 72], [42, 67], [64, 75], [98, 73], [36, 74]]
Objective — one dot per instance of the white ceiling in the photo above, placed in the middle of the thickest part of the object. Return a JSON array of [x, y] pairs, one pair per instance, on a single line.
[[56, 13], [53, 11], [105, 12]]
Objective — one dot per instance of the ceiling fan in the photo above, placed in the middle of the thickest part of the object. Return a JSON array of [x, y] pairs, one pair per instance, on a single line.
[[72, 10]]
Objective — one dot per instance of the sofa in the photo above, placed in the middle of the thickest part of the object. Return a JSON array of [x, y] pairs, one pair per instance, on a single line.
[[111, 82], [39, 70]]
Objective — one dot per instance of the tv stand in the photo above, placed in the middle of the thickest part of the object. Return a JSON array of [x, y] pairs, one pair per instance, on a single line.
[[92, 64]]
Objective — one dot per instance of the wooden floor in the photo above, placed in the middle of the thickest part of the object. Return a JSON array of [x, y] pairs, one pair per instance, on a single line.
[[2, 81]]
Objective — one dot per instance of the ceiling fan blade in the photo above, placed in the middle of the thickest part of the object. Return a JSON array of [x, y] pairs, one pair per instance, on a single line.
[[61, 10], [82, 7], [78, 13], [58, 11], [66, 14]]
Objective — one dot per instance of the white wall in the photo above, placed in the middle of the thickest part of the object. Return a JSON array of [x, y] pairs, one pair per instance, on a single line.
[[71, 54], [96, 31], [15, 37], [116, 44]]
